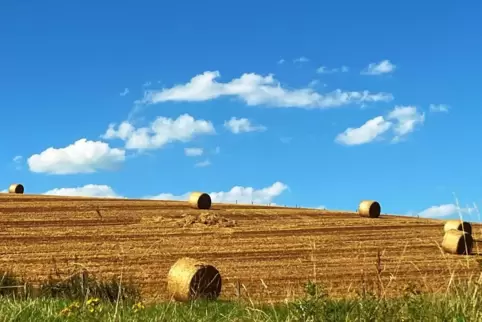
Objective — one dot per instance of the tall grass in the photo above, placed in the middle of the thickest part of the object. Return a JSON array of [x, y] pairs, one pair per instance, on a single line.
[[461, 302], [77, 286]]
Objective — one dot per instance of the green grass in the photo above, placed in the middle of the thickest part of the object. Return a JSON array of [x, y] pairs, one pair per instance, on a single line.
[[462, 303], [80, 297]]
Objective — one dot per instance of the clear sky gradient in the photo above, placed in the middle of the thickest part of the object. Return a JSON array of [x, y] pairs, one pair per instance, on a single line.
[[312, 103]]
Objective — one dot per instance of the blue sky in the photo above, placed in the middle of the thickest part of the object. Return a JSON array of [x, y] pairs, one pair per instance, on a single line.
[[312, 103]]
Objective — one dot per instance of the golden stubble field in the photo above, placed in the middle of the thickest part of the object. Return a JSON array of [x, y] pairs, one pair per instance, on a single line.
[[271, 252]]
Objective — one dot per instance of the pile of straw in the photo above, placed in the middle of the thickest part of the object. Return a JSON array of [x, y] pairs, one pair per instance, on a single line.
[[16, 188], [200, 200], [369, 208], [189, 279], [206, 219]]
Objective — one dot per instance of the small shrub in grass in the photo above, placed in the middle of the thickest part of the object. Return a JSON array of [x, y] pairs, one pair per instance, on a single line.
[[310, 307], [81, 285], [14, 287]]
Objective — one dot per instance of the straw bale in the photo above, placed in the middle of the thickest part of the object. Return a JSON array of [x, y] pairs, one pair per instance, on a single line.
[[200, 200], [457, 242], [458, 225], [16, 188], [189, 279], [369, 208]]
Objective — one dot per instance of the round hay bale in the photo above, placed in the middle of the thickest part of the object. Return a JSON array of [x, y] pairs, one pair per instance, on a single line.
[[458, 225], [190, 279], [457, 242], [200, 200], [369, 208], [16, 188]]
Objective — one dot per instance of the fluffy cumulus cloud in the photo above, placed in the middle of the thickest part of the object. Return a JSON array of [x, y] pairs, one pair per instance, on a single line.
[[366, 133], [193, 152], [160, 132], [445, 210], [383, 67], [90, 190], [439, 108], [242, 195], [406, 118], [240, 125], [256, 90], [402, 120], [82, 156]]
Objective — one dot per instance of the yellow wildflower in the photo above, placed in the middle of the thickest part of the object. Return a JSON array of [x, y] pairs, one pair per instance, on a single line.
[[93, 305], [138, 307], [93, 301]]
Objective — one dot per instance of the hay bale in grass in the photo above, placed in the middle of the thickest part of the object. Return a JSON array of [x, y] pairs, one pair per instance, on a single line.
[[458, 225], [189, 279], [16, 188], [200, 200], [457, 242], [369, 208]]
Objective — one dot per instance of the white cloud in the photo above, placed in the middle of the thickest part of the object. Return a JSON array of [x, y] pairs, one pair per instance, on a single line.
[[125, 92], [160, 132], [383, 67], [402, 120], [4, 191], [193, 152], [444, 210], [439, 108], [301, 59], [257, 90], [90, 190], [408, 118], [203, 164], [326, 70], [364, 134], [241, 125], [313, 83], [281, 61], [83, 156], [243, 195], [18, 160]]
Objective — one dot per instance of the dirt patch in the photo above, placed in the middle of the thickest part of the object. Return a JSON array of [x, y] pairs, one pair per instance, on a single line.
[[206, 219]]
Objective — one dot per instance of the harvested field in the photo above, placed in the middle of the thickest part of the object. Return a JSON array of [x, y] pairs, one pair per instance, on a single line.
[[271, 251]]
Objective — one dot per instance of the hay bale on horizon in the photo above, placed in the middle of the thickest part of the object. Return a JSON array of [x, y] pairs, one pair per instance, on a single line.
[[458, 225], [190, 279], [200, 200], [369, 208], [16, 188], [457, 242]]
